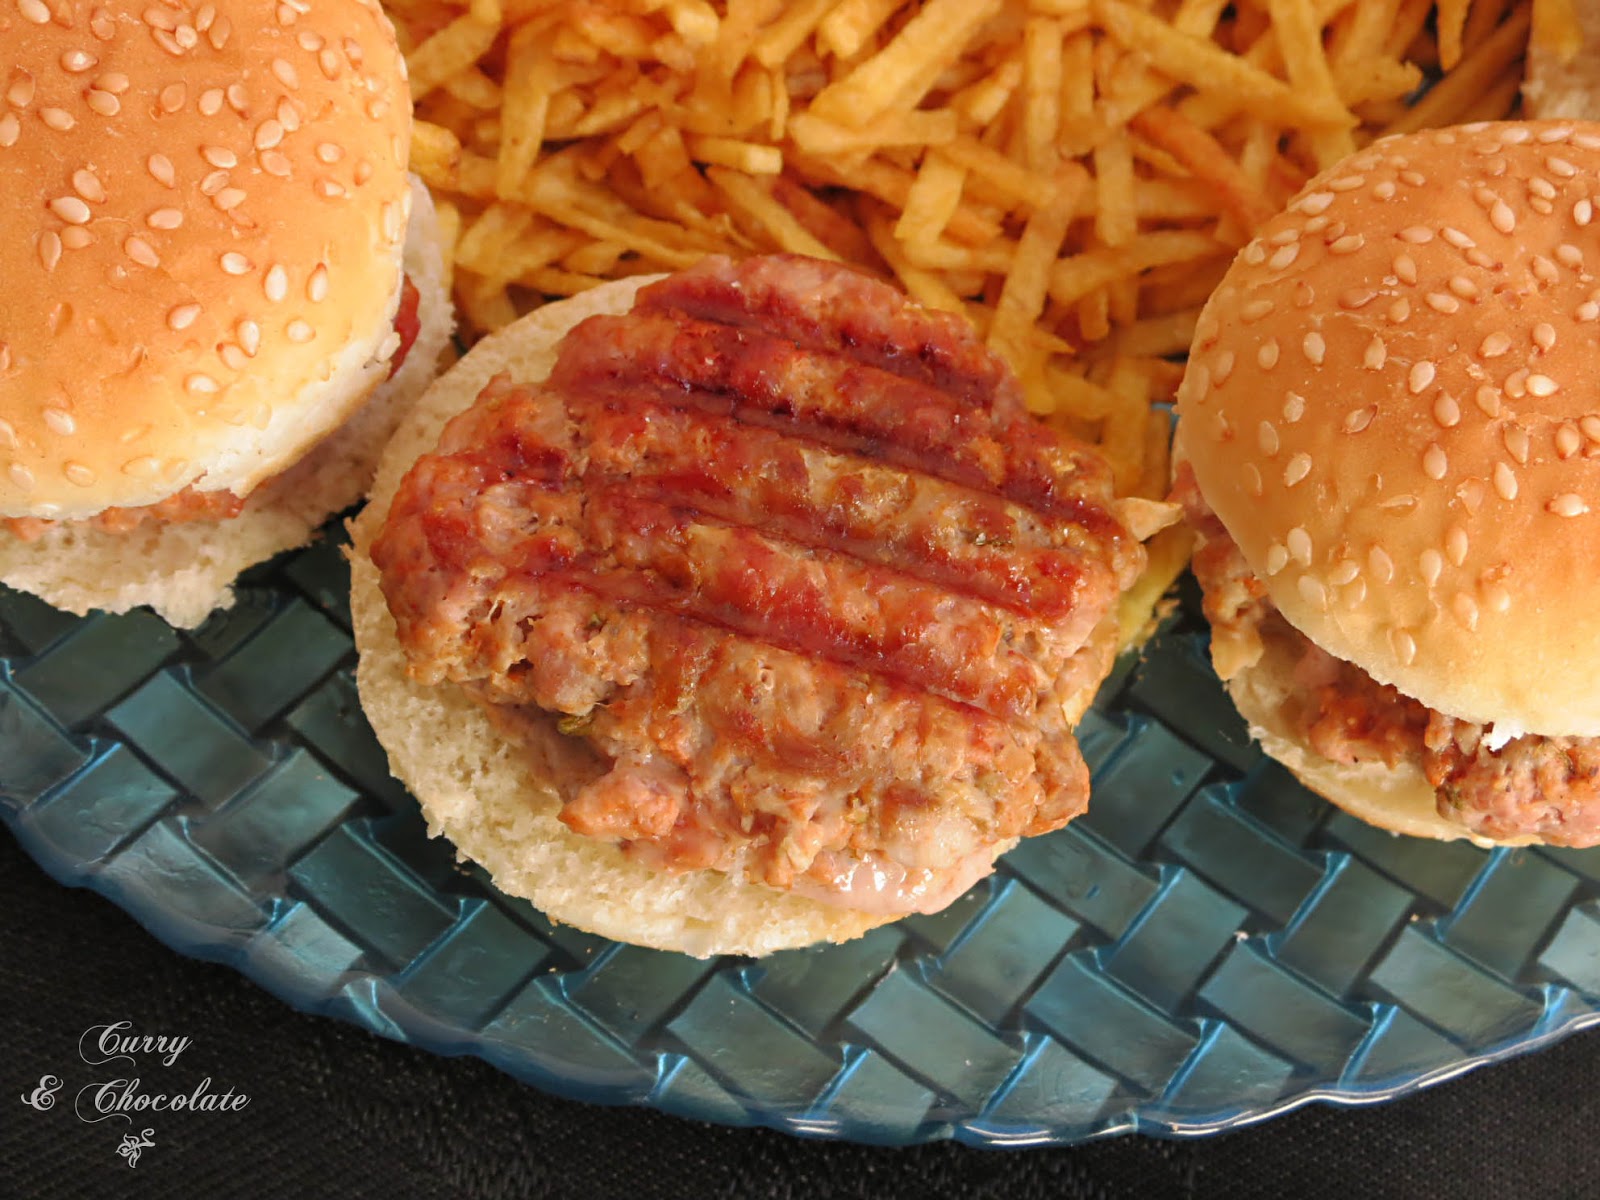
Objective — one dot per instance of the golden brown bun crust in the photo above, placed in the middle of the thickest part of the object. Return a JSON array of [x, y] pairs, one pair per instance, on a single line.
[[203, 236], [186, 571], [496, 799], [1390, 404]]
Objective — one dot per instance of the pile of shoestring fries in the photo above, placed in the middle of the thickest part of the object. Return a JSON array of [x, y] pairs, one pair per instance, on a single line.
[[1072, 175]]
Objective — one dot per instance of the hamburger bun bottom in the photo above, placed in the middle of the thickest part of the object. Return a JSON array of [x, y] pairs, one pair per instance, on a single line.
[[1398, 799], [186, 571]]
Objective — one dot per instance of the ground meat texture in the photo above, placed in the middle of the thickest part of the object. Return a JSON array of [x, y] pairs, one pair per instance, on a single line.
[[1542, 787], [789, 554]]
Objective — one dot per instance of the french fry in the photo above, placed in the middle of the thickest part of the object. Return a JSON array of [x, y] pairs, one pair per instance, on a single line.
[[1022, 298], [1201, 154], [452, 50], [751, 201]]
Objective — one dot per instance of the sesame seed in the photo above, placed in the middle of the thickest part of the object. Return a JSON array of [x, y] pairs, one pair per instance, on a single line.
[[1384, 190], [1505, 482], [49, 249], [1568, 504], [1300, 547], [1502, 218], [1556, 133], [1417, 235], [141, 252], [329, 62], [76, 237], [1380, 564], [229, 199], [173, 96], [238, 100], [1517, 383], [1544, 270], [1497, 597], [1348, 244], [183, 316], [213, 183], [1267, 354], [34, 10], [70, 209], [1283, 237], [1431, 564], [268, 134], [1252, 480], [1568, 441], [284, 72], [1434, 461], [1479, 258], [1314, 347], [1403, 645], [1277, 558], [1569, 255], [1347, 183], [1294, 407], [1466, 610], [276, 283], [232, 356], [114, 82], [1377, 353], [1297, 469], [1314, 203], [159, 18], [289, 114], [1420, 376], [8, 435], [1582, 213], [1494, 346], [211, 102], [168, 42], [1587, 311], [1440, 302], [1516, 440], [20, 93], [78, 474], [330, 189], [1455, 544], [1313, 591], [1222, 367], [250, 337], [58, 119], [21, 476], [1357, 297], [1461, 286], [10, 128], [1471, 493], [1267, 438], [1405, 268], [300, 331], [60, 422], [1255, 310], [201, 384], [219, 156], [235, 263], [329, 153], [75, 62], [1542, 385], [1586, 141], [1544, 336], [1358, 420], [1590, 426], [1560, 167], [143, 467], [219, 32], [274, 163], [1446, 410], [310, 41], [160, 168], [1255, 254], [1399, 311], [1345, 573], [1456, 238], [1281, 258], [87, 184], [165, 218]]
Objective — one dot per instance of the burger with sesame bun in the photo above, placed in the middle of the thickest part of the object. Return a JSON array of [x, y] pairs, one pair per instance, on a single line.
[[1390, 447], [221, 288]]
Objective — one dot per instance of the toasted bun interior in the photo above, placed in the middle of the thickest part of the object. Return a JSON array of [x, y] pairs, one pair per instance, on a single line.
[[1390, 405], [184, 571], [495, 798]]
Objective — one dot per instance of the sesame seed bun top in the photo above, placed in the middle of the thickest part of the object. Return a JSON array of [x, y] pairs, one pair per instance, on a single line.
[[204, 208], [1390, 404]]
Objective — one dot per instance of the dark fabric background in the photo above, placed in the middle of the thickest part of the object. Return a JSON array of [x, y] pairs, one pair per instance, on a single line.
[[335, 1111]]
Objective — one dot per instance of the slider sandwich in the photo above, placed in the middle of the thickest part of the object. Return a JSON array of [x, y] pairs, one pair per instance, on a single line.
[[1391, 429], [740, 610], [221, 288]]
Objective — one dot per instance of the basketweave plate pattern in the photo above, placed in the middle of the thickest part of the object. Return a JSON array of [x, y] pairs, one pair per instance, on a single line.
[[1209, 946]]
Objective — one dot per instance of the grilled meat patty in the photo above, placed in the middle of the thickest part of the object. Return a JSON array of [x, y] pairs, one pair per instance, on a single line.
[[788, 552], [1542, 787]]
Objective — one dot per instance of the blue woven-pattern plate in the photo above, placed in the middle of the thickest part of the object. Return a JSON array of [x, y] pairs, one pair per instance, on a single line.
[[1209, 946]]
